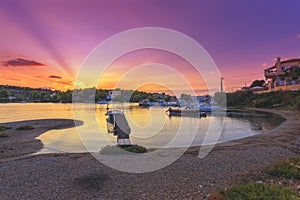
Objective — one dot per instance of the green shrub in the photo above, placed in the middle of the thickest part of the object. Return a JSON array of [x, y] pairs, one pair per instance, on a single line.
[[287, 100], [298, 104], [4, 128], [121, 149], [23, 128], [135, 149], [4, 134], [289, 168], [253, 191]]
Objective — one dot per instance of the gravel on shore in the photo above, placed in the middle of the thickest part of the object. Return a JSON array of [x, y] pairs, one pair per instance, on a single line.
[[81, 176]]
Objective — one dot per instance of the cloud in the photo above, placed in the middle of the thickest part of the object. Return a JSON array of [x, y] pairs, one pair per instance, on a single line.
[[11, 79], [298, 36], [63, 82], [21, 62], [56, 77]]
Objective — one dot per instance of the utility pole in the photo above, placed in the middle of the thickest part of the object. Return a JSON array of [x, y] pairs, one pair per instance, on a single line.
[[222, 84]]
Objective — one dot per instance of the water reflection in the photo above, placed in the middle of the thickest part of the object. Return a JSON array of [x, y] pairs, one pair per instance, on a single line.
[[151, 127]]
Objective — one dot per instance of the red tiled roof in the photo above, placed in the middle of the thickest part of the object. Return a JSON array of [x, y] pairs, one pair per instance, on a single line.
[[285, 61], [270, 68], [291, 60]]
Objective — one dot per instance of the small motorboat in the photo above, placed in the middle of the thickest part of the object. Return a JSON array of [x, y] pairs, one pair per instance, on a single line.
[[102, 102], [186, 111], [146, 103], [207, 108], [172, 104]]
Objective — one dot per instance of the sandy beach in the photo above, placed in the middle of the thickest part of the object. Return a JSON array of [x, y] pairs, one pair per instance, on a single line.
[[81, 176]]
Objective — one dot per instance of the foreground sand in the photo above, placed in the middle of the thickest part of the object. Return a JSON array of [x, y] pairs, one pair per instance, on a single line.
[[81, 176]]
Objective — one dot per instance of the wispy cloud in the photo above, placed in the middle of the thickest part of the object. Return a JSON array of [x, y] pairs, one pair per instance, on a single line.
[[21, 62], [11, 79], [55, 77], [62, 82], [298, 36], [65, 83]]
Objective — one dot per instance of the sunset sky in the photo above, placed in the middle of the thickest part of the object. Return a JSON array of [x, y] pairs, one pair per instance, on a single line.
[[44, 43]]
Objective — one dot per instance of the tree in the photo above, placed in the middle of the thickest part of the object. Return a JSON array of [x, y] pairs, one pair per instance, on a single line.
[[56, 97], [101, 95], [185, 97], [220, 98], [35, 95], [45, 96], [293, 72], [167, 99], [259, 83], [66, 97], [3, 95]]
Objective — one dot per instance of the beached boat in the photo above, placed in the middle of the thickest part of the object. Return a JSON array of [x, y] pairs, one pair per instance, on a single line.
[[118, 125], [186, 111]]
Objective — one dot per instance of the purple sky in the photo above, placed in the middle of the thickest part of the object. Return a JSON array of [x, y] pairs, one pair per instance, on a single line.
[[240, 36]]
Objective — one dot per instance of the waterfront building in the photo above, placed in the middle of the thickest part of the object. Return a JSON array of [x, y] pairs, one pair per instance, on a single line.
[[283, 75]]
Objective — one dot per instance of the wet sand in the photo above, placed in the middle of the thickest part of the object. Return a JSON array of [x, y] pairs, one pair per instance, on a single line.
[[81, 176]]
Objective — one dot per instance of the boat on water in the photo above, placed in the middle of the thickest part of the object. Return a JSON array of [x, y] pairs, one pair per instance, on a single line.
[[207, 108], [173, 104], [186, 111], [102, 102], [146, 103]]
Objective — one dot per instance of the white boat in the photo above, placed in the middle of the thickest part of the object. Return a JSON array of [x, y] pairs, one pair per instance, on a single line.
[[207, 108], [146, 103]]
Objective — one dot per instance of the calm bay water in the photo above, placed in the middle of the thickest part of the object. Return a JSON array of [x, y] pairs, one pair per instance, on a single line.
[[151, 127]]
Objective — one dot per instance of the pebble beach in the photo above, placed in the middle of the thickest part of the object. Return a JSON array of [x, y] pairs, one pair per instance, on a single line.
[[81, 176]]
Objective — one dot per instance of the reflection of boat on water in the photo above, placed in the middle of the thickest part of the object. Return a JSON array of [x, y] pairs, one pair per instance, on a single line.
[[187, 111], [207, 108], [118, 125], [146, 103]]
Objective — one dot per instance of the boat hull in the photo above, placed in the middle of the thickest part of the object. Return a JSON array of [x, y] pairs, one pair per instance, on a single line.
[[186, 113]]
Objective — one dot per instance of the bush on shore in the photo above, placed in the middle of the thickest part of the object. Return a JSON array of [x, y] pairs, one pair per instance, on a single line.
[[121, 149], [4, 128], [255, 190], [24, 128], [289, 168], [4, 134], [287, 100]]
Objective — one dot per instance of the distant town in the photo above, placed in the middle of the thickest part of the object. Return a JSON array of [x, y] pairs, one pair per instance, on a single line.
[[15, 94]]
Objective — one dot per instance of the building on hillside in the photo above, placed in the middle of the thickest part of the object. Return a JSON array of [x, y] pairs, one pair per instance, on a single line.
[[158, 95], [284, 75], [201, 98], [113, 94]]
